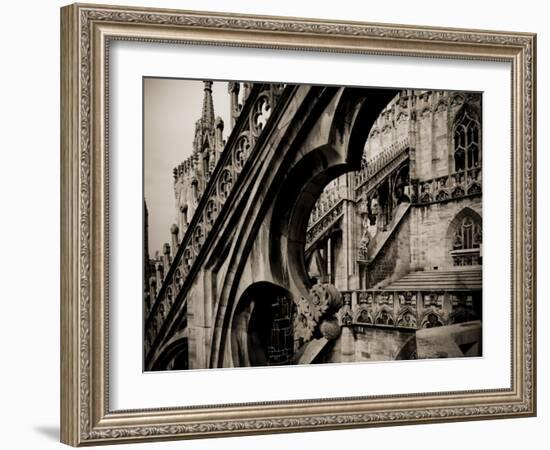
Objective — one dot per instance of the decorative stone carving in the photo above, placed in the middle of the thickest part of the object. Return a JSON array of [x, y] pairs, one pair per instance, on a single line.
[[454, 186], [198, 238], [364, 316], [402, 117], [330, 329], [169, 297], [262, 111], [211, 212], [225, 184], [345, 318], [407, 318], [377, 164], [441, 106], [304, 325], [457, 100], [432, 318], [187, 260], [242, 149], [178, 278], [322, 301], [365, 235], [384, 316], [324, 224], [345, 314]]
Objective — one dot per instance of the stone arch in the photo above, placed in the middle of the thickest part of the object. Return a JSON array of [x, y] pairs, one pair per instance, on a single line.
[[323, 140], [406, 317], [236, 245], [261, 328], [173, 357], [384, 316], [363, 316], [432, 318], [352, 119], [290, 221]]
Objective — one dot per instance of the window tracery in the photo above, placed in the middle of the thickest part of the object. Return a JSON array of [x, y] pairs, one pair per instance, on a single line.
[[466, 141], [466, 242]]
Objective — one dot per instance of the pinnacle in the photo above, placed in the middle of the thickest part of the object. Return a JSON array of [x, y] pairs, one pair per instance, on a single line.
[[207, 106]]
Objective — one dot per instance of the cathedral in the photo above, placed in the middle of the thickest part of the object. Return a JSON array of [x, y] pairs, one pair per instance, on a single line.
[[333, 225]]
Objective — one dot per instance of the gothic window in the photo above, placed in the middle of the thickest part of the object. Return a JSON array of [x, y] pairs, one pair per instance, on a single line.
[[466, 141], [468, 235], [466, 242]]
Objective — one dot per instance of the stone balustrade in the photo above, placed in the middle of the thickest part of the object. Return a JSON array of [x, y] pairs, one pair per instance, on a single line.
[[370, 167], [328, 199], [322, 225], [465, 183], [405, 309]]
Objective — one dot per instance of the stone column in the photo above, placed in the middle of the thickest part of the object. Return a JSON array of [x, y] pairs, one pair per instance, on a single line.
[[447, 305], [348, 344], [419, 307]]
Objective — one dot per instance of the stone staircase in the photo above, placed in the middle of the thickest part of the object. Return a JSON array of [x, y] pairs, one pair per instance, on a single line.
[[381, 237]]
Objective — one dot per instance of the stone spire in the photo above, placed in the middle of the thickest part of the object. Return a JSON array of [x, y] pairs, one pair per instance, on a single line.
[[207, 107]]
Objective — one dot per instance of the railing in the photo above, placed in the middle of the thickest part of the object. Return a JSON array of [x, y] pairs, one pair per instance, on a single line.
[[328, 199], [373, 166], [327, 210], [464, 183], [466, 257], [406, 309], [257, 109], [324, 224]]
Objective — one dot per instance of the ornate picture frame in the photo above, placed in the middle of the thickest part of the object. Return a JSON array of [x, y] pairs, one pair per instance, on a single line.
[[87, 32]]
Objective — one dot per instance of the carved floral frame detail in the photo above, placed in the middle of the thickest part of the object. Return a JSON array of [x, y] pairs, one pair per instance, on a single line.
[[86, 31]]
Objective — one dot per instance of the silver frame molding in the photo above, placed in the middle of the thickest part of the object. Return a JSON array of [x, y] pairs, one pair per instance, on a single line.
[[86, 31]]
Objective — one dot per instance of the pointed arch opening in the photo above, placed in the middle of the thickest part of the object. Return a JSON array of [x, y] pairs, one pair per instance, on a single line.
[[464, 239], [261, 331]]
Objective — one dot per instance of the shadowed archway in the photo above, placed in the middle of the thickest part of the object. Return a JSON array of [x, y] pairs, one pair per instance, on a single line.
[[261, 331]]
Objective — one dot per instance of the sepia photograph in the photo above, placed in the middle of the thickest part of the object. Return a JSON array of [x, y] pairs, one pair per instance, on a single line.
[[253, 206], [289, 224]]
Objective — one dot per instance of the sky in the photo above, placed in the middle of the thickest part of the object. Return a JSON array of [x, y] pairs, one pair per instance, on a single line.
[[171, 107]]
